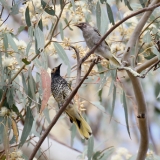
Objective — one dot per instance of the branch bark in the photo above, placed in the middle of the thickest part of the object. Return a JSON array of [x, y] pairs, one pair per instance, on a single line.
[[61, 111], [138, 91]]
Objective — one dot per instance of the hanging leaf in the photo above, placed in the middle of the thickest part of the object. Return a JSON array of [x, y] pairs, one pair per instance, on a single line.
[[62, 3], [90, 148], [98, 16], [128, 5], [156, 52], [62, 55], [15, 9], [39, 38], [5, 42], [20, 29], [46, 86], [73, 5], [98, 105], [15, 129], [47, 8], [46, 114], [126, 112], [114, 76], [27, 126], [73, 130], [110, 14], [61, 30], [29, 45], [11, 42], [147, 37], [142, 3], [27, 17], [40, 24]]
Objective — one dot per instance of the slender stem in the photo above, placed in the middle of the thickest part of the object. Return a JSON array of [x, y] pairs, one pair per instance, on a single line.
[[61, 111]]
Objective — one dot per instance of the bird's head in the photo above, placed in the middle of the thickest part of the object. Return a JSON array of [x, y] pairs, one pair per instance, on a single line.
[[82, 25], [56, 70]]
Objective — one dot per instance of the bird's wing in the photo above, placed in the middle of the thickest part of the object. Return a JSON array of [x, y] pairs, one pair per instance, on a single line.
[[100, 35]]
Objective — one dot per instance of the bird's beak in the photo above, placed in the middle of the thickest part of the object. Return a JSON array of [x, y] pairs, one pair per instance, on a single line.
[[78, 25], [59, 65]]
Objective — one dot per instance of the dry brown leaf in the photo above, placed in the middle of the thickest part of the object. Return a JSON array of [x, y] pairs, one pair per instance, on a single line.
[[46, 86], [15, 129]]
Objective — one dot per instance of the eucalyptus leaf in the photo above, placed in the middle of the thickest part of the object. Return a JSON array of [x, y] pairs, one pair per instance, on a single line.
[[142, 3], [47, 8], [40, 38], [110, 14], [126, 113], [3, 2], [5, 42], [27, 126], [40, 24], [128, 5], [46, 114], [90, 148], [62, 55], [156, 52], [29, 45], [73, 5], [147, 37], [61, 30], [98, 16], [27, 17], [73, 133], [11, 42], [15, 9]]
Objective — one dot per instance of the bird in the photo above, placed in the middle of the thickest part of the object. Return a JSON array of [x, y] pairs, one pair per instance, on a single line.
[[61, 90], [92, 37]]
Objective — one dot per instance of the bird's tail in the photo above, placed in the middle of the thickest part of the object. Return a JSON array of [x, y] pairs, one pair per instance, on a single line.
[[76, 118], [115, 61]]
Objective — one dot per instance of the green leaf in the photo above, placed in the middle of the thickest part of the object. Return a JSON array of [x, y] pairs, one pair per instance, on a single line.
[[3, 2], [27, 126], [128, 5], [20, 29], [90, 148], [98, 105], [40, 24], [61, 30], [27, 17], [15, 109], [30, 31], [40, 38], [29, 45], [15, 9], [73, 5], [5, 42], [11, 42], [24, 83], [73, 133], [114, 75], [46, 114], [142, 3], [24, 60], [156, 52], [47, 8], [62, 3], [98, 16], [126, 113], [62, 55], [147, 37], [110, 14], [102, 1]]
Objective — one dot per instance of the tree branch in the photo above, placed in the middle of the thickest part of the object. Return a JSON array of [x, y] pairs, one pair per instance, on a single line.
[[62, 109], [142, 108]]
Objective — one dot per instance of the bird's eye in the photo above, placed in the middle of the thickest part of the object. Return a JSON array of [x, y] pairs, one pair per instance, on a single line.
[[53, 70]]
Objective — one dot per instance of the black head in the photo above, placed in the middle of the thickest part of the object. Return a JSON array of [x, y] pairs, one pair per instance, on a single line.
[[82, 25], [56, 70]]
